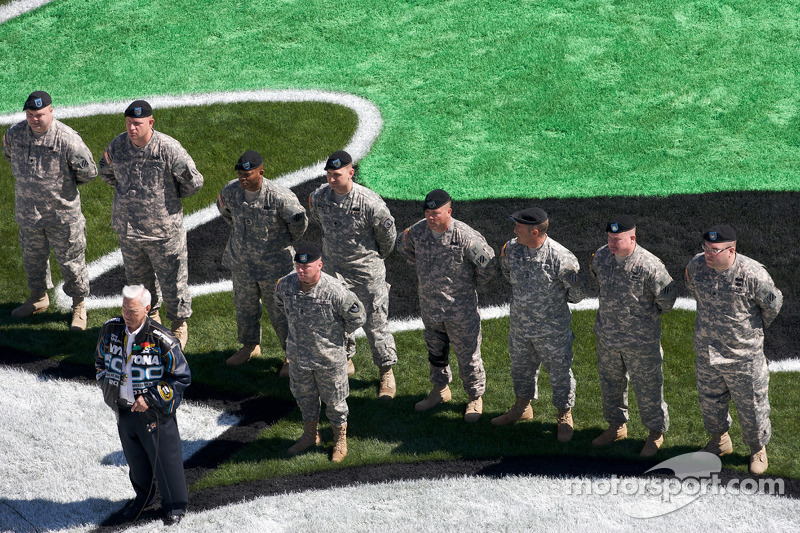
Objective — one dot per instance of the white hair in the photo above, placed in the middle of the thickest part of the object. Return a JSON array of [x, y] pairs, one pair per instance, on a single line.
[[137, 291]]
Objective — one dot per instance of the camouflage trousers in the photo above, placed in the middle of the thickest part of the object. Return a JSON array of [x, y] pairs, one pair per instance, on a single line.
[[375, 298], [464, 333], [643, 365], [160, 265], [528, 354], [747, 382], [248, 298], [69, 246], [329, 384]]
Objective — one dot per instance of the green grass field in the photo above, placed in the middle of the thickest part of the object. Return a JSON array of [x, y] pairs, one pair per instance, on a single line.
[[538, 99], [525, 99]]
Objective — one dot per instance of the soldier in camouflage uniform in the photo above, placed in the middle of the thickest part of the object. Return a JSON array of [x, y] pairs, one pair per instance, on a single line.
[[266, 218], [48, 161], [736, 300], [544, 277], [150, 173], [635, 289], [358, 233], [320, 311], [451, 258]]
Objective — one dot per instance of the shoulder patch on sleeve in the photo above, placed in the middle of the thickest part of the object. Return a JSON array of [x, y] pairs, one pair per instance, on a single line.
[[165, 391], [771, 298], [503, 250], [405, 235], [479, 254]]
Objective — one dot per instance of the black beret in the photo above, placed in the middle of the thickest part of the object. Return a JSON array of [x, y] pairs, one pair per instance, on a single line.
[[37, 100], [307, 253], [249, 160], [338, 160], [531, 216], [139, 109], [720, 233], [436, 199], [620, 223]]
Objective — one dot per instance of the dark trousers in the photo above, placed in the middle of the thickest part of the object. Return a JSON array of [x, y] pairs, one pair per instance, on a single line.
[[159, 450]]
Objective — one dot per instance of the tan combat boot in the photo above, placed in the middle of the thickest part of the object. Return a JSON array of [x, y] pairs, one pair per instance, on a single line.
[[78, 322], [474, 410], [154, 315], [613, 433], [351, 368], [244, 354], [521, 410], [758, 460], [284, 373], [439, 394], [309, 438], [565, 429], [654, 442], [388, 387], [38, 302], [720, 444], [181, 332], [339, 443]]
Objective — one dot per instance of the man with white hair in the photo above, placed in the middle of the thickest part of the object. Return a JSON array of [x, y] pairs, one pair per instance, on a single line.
[[143, 373]]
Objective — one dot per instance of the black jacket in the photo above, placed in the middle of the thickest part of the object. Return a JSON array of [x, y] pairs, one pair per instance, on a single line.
[[159, 370]]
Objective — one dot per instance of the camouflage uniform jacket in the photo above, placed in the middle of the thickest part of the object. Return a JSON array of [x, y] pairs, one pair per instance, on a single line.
[[262, 230], [47, 171], [448, 268], [633, 295], [149, 183], [358, 233], [542, 281], [733, 308], [159, 370], [318, 320]]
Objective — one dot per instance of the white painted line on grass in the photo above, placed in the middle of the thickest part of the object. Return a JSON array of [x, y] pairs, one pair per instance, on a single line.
[[785, 365], [15, 9]]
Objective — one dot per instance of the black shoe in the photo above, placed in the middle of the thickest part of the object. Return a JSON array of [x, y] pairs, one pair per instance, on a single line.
[[172, 519], [133, 509], [130, 510]]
